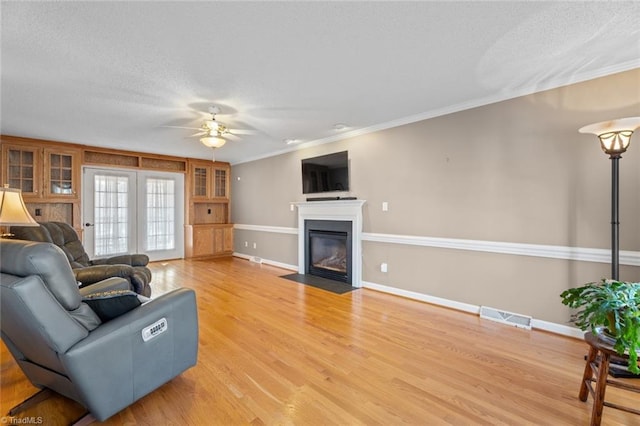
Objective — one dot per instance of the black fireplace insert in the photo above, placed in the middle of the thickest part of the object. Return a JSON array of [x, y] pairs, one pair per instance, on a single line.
[[328, 249]]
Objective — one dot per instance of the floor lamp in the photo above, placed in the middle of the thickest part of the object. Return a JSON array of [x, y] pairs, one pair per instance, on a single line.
[[615, 137]]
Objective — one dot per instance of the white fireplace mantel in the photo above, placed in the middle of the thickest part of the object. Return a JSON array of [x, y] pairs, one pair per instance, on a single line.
[[346, 210]]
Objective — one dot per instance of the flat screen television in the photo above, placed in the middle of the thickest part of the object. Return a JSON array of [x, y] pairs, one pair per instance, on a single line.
[[326, 173]]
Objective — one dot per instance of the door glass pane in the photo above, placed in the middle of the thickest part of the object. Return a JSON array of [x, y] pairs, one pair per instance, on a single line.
[[160, 205], [110, 215]]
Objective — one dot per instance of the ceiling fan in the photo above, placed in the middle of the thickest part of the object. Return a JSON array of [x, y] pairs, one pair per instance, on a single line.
[[212, 133]]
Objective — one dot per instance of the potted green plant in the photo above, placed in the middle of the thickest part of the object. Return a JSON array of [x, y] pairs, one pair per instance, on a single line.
[[611, 307]]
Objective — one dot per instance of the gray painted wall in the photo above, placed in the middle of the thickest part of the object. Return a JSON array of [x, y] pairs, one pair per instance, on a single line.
[[516, 171]]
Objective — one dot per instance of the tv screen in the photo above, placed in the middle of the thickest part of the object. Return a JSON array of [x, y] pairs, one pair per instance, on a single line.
[[327, 173]]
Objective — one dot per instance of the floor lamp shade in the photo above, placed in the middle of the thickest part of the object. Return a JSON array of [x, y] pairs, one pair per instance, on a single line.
[[12, 209], [615, 137]]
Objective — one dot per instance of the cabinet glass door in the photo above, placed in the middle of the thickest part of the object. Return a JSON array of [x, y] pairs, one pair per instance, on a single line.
[[220, 186], [61, 174], [200, 182], [22, 170]]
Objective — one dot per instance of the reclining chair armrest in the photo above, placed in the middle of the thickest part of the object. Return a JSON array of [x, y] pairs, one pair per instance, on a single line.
[[94, 274], [124, 259], [115, 360], [105, 285]]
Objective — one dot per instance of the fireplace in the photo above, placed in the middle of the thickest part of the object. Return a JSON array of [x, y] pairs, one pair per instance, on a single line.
[[339, 216], [328, 251]]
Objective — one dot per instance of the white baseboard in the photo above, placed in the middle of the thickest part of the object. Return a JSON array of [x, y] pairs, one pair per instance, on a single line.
[[459, 306], [551, 327], [268, 262]]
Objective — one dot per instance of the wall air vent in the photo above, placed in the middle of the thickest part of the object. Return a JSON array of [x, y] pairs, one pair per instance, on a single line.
[[517, 320]]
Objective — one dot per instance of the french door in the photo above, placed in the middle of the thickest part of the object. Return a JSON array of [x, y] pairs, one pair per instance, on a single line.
[[133, 212]]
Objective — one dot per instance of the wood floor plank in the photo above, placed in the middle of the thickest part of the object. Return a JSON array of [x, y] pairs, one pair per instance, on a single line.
[[276, 352]]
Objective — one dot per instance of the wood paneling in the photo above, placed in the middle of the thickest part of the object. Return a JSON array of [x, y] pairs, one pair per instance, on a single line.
[[207, 213], [132, 159], [163, 164], [276, 352], [52, 212], [103, 158]]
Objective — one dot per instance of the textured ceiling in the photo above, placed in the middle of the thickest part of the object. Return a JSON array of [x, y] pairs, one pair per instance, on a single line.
[[115, 74]]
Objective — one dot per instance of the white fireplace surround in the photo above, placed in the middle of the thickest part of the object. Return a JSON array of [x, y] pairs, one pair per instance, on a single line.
[[346, 210]]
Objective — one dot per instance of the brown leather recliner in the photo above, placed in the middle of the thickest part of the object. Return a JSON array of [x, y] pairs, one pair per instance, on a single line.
[[132, 267]]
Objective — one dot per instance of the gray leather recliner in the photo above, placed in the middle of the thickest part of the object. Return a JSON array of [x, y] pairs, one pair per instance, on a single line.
[[132, 267], [61, 344]]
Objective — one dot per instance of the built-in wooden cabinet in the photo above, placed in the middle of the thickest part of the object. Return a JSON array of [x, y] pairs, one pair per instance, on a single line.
[[21, 167], [61, 173], [41, 172], [209, 240], [50, 173], [208, 231], [47, 174], [209, 180]]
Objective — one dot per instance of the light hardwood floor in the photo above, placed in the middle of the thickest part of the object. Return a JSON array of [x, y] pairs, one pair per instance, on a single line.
[[276, 352]]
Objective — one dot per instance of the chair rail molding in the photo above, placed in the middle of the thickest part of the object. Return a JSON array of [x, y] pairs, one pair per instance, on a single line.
[[584, 254]]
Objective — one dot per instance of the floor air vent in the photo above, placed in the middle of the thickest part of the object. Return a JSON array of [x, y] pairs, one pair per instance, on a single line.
[[255, 259], [505, 317]]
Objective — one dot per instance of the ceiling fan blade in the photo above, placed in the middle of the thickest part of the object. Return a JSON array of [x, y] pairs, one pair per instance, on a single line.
[[242, 132], [181, 127], [200, 133], [231, 136]]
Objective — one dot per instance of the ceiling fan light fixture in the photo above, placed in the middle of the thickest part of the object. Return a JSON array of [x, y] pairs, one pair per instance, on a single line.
[[214, 126], [213, 141]]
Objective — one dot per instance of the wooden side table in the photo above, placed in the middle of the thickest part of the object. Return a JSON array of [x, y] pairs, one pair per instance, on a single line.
[[596, 371]]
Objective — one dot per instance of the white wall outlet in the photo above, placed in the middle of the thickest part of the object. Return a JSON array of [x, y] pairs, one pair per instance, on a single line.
[[385, 206], [383, 267], [255, 245], [246, 243], [292, 207]]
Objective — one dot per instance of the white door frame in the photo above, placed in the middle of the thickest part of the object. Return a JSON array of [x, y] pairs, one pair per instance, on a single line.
[[137, 221]]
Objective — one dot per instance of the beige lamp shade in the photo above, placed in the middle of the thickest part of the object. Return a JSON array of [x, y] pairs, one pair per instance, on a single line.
[[213, 141], [13, 212], [614, 135]]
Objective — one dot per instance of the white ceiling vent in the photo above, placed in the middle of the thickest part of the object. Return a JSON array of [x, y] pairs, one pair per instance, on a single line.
[[505, 317]]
